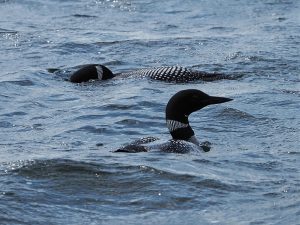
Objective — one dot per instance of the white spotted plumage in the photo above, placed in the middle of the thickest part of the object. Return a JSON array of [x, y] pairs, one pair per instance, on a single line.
[[167, 73], [172, 74]]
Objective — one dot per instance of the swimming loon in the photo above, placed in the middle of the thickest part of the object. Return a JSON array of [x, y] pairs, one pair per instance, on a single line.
[[168, 73], [178, 109]]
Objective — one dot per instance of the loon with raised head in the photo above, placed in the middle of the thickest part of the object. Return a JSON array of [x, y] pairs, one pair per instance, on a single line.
[[178, 109], [176, 74]]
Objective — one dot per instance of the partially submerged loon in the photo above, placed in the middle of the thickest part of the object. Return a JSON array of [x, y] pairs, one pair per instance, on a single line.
[[170, 74], [178, 109]]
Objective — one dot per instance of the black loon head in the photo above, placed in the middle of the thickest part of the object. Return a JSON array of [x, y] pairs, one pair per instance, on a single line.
[[181, 105], [91, 72]]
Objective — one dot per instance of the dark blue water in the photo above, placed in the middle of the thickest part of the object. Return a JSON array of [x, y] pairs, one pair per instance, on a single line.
[[56, 138]]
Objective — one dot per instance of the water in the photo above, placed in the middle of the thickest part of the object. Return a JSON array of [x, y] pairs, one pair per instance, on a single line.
[[56, 138]]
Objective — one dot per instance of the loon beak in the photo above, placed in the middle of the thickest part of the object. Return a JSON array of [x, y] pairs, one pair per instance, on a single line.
[[217, 100]]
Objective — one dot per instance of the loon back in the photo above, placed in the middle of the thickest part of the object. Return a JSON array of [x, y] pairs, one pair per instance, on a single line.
[[176, 74]]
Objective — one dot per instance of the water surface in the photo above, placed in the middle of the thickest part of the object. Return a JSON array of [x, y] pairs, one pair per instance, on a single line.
[[56, 138]]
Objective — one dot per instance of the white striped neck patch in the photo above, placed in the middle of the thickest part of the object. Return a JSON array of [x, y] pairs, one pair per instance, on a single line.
[[99, 72], [174, 125]]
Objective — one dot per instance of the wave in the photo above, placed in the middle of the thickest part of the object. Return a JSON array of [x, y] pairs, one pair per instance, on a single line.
[[113, 174]]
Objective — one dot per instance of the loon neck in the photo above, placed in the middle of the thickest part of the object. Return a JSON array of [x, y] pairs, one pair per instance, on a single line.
[[180, 130]]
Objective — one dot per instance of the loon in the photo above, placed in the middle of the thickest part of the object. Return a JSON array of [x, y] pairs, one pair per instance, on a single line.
[[176, 74], [178, 109]]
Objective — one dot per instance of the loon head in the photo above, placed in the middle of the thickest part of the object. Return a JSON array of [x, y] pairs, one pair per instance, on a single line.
[[181, 105], [91, 72]]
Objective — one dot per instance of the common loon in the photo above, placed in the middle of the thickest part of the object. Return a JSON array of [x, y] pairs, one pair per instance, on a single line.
[[168, 73], [178, 109]]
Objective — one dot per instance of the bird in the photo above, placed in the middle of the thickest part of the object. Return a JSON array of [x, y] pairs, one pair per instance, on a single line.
[[177, 74], [177, 112]]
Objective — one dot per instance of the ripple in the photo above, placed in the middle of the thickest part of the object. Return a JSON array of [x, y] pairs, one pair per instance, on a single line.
[[123, 5], [236, 114], [74, 46], [265, 166], [6, 124], [83, 16], [223, 29], [216, 185], [113, 173], [112, 107], [108, 43], [53, 168], [90, 129], [130, 122], [89, 117], [19, 82], [5, 31], [250, 58], [293, 92], [61, 98], [17, 113]]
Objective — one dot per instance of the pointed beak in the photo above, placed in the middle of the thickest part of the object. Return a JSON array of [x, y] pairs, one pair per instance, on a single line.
[[217, 100]]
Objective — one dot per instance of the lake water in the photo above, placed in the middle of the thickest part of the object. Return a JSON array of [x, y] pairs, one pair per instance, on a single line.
[[57, 138]]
